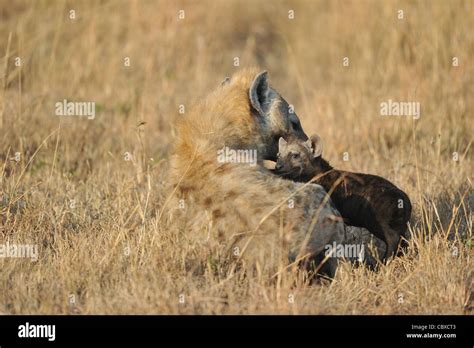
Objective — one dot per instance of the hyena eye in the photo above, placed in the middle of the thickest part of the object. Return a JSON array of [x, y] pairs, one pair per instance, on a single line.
[[295, 122], [295, 155]]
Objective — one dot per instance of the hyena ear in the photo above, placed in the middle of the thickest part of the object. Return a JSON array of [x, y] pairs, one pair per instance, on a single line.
[[316, 145], [282, 143], [259, 93]]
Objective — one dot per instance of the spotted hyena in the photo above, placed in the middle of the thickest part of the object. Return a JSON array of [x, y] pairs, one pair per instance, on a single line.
[[363, 200], [265, 218]]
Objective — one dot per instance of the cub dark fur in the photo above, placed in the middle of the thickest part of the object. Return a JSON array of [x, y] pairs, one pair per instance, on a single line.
[[363, 200]]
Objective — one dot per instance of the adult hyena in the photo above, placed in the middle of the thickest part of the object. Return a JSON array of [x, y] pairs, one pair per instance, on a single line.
[[259, 217]]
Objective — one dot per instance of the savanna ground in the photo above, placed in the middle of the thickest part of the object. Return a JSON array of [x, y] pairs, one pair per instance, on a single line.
[[107, 242]]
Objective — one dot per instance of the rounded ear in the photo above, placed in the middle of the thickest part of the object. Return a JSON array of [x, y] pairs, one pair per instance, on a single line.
[[309, 144], [282, 143], [258, 92], [316, 145]]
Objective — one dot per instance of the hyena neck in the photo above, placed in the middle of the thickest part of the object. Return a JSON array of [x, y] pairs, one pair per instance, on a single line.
[[322, 168]]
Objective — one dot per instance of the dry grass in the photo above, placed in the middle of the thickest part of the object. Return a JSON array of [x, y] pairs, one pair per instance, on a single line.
[[73, 194]]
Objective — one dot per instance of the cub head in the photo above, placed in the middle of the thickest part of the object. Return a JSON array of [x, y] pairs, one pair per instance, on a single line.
[[274, 117], [299, 159]]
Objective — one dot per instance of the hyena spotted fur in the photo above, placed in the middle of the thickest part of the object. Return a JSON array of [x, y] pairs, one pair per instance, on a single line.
[[266, 218]]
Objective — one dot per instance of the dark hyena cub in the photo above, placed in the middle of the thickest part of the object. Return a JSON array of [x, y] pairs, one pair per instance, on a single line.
[[363, 200]]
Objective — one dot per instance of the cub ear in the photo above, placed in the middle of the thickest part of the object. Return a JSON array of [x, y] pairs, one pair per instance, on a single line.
[[259, 93], [282, 143], [316, 145]]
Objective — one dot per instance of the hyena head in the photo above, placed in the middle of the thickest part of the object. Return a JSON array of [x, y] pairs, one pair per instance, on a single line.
[[298, 159], [274, 117]]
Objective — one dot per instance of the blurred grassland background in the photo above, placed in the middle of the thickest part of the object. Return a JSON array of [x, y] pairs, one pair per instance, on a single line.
[[106, 244]]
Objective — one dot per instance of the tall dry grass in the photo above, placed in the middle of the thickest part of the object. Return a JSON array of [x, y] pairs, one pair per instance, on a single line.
[[106, 245]]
